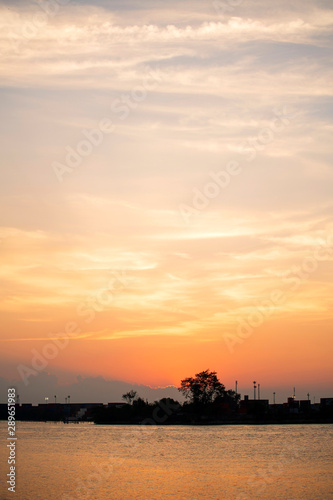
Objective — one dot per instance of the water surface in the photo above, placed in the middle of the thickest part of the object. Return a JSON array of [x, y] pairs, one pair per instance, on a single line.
[[84, 461]]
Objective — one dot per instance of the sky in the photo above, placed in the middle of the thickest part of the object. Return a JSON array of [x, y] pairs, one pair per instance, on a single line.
[[166, 193]]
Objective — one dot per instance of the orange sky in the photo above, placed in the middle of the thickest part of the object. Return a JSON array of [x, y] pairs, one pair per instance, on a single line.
[[167, 193]]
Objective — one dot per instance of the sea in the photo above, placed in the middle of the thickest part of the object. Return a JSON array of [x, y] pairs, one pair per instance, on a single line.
[[150, 462]]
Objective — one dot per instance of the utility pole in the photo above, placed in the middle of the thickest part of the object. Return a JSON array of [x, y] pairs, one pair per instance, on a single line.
[[236, 387], [259, 391], [254, 389], [274, 397]]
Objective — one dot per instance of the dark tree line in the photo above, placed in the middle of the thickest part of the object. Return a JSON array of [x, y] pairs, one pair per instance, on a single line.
[[205, 397], [205, 393], [207, 401]]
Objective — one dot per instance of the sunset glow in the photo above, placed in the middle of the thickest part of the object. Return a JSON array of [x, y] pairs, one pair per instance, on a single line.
[[167, 192]]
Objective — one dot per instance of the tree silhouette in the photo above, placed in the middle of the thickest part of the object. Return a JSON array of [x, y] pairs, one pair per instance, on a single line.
[[203, 389], [129, 396]]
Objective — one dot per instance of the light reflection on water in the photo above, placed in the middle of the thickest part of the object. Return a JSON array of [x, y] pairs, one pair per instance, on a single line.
[[84, 461]]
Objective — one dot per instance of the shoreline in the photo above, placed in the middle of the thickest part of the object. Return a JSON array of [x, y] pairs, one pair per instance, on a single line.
[[191, 424]]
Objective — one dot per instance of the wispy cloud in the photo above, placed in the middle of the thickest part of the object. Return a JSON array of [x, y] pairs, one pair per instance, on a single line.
[[222, 82]]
